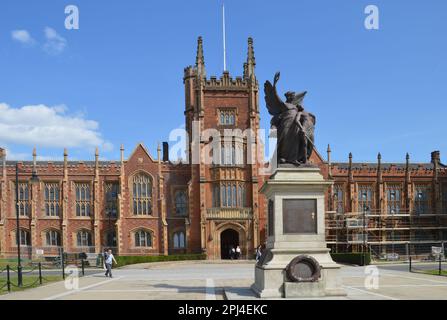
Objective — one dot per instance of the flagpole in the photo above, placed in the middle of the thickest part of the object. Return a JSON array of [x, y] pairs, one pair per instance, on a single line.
[[224, 39]]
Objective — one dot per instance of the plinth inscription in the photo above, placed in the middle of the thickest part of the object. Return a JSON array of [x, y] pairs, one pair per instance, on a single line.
[[300, 216]]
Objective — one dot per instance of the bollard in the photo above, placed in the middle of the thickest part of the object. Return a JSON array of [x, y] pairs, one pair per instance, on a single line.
[[8, 278], [19, 276], [410, 263], [82, 267], [40, 273]]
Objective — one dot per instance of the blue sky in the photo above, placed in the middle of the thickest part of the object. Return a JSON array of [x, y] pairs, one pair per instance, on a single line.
[[118, 79]]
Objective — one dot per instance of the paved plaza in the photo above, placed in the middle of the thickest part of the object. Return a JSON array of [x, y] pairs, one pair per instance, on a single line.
[[220, 280]]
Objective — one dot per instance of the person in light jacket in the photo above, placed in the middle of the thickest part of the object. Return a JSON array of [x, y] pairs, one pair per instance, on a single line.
[[109, 262]]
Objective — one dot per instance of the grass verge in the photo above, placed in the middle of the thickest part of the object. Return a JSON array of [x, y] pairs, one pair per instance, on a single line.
[[434, 272], [126, 260], [29, 282]]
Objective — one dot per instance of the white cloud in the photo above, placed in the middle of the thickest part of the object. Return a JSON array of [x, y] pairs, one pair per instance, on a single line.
[[55, 43], [43, 126], [22, 36]]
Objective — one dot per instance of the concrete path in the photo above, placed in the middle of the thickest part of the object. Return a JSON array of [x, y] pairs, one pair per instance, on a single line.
[[207, 281]]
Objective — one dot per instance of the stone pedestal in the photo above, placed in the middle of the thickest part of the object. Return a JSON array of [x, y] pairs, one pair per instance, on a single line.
[[296, 227]]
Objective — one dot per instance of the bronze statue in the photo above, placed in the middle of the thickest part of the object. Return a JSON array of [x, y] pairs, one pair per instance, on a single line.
[[295, 126]]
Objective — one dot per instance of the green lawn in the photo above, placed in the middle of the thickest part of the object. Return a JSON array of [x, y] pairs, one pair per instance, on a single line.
[[26, 264], [435, 272], [13, 263], [5, 262], [31, 281]]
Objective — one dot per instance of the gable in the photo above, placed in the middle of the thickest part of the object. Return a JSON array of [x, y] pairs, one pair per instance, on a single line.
[[141, 155], [316, 158]]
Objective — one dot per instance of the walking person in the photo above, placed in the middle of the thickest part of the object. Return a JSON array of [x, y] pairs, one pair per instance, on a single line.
[[238, 252], [109, 262], [104, 258], [258, 253], [233, 253]]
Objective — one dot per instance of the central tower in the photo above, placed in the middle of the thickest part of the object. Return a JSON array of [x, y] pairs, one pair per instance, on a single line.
[[225, 153]]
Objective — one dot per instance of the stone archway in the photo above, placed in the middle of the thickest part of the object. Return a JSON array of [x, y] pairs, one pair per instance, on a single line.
[[229, 238], [232, 233]]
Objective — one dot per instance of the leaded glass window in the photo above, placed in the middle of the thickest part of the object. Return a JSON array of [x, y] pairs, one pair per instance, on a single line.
[[24, 237], [24, 201], [53, 238], [365, 198], [181, 203], [394, 198], [229, 194], [143, 239], [84, 238], [111, 199], [83, 200], [339, 204], [227, 117], [422, 199], [142, 195], [52, 200], [179, 240]]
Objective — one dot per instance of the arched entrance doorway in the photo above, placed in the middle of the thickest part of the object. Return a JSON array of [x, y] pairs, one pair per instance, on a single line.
[[228, 239]]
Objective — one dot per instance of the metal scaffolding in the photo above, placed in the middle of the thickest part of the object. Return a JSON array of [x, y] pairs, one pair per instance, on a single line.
[[386, 236]]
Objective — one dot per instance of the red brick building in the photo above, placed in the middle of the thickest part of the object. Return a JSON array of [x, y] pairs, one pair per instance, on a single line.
[[151, 206]]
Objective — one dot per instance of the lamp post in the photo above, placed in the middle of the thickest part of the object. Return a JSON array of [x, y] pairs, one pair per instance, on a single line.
[[365, 208], [34, 179]]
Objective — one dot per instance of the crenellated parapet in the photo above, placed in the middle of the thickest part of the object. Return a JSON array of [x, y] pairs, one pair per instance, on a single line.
[[57, 168], [226, 82]]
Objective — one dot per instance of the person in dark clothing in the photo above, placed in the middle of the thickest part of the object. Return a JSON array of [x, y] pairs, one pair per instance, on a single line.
[[238, 252], [104, 258], [258, 253]]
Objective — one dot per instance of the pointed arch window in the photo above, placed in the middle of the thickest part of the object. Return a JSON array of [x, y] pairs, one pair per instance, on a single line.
[[179, 240], [24, 237], [52, 200], [53, 238], [227, 117], [181, 203], [339, 204], [84, 238], [83, 204], [143, 238], [365, 198], [394, 198], [111, 199], [24, 200], [422, 199], [142, 195]]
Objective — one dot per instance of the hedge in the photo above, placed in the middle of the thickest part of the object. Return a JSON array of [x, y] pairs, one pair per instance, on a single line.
[[126, 260], [351, 258]]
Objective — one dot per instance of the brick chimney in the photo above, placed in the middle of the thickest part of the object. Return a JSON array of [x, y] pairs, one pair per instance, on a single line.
[[165, 152]]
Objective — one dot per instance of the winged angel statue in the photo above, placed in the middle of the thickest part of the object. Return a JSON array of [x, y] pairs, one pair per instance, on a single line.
[[295, 126]]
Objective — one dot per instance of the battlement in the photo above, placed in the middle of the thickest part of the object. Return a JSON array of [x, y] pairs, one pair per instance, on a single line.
[[225, 82]]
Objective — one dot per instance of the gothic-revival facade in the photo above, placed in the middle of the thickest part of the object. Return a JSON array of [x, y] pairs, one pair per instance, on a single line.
[[151, 206]]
